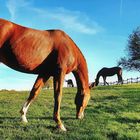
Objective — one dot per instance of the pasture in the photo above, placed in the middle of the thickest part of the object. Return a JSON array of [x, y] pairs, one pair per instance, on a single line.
[[113, 113]]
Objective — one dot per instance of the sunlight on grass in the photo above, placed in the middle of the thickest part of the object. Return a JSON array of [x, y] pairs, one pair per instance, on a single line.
[[113, 113]]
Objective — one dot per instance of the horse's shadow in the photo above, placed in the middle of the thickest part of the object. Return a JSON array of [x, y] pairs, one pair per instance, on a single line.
[[30, 125], [33, 118]]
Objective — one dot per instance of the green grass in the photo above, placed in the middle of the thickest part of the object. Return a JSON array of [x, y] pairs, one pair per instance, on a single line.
[[113, 113]]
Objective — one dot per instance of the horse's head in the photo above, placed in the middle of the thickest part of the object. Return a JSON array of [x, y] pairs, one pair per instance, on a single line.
[[92, 85], [81, 102]]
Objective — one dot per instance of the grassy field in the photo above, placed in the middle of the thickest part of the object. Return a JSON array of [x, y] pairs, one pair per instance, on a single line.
[[113, 113]]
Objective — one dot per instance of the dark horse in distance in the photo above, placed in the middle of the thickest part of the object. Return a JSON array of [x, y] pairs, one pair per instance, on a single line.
[[45, 53], [69, 83], [104, 72]]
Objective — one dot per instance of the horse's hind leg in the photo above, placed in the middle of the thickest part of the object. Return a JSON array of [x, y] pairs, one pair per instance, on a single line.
[[58, 83], [104, 79], [40, 81]]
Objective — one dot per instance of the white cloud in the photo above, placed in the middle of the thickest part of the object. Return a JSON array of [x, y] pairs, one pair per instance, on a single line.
[[72, 20], [14, 5]]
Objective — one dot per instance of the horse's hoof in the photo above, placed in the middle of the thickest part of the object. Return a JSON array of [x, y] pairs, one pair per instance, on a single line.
[[81, 116], [24, 120], [61, 127]]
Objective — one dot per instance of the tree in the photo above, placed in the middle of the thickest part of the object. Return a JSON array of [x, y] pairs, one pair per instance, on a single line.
[[132, 59]]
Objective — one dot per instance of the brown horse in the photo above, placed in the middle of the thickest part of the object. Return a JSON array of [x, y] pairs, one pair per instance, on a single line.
[[69, 83], [104, 72], [46, 53]]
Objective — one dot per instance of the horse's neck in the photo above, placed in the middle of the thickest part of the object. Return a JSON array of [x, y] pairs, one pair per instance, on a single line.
[[98, 76], [81, 75]]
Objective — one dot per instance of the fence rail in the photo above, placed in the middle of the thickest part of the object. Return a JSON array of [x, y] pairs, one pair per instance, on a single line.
[[127, 81]]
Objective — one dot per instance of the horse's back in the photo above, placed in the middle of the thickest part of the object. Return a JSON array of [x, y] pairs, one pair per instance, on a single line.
[[109, 71]]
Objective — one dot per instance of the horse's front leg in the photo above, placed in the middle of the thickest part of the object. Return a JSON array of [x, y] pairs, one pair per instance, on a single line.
[[34, 92], [58, 83]]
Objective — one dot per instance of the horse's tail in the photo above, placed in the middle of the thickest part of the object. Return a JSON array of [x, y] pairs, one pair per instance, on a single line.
[[120, 76], [120, 71]]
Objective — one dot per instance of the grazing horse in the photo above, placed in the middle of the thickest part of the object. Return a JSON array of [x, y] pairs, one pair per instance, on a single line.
[[69, 83], [45, 53], [104, 72]]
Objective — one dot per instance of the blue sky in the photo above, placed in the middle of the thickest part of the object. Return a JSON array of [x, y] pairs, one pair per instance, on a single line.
[[100, 28]]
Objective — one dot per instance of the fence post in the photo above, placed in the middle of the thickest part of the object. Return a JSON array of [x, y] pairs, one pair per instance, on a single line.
[[137, 79], [131, 80]]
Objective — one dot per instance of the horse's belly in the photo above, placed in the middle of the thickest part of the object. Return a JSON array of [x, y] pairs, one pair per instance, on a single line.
[[32, 58], [30, 62], [27, 67]]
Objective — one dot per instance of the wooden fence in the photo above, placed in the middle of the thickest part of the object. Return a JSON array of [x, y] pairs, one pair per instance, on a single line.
[[127, 81]]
